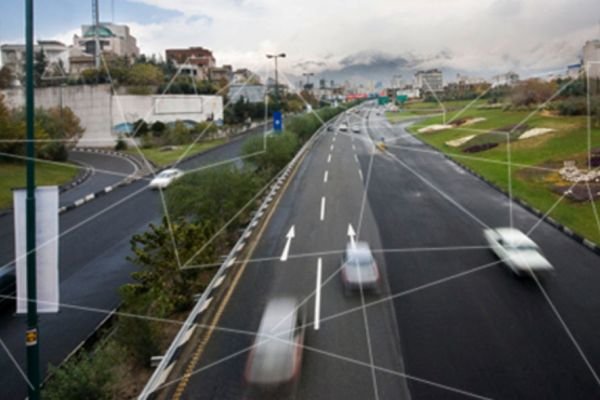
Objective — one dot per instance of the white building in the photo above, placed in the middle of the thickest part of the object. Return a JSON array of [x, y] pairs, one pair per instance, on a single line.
[[13, 55], [428, 81], [510, 78], [114, 39], [591, 58]]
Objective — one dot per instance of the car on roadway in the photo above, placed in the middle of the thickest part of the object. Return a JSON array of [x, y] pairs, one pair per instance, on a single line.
[[165, 178], [356, 129], [359, 269], [343, 128], [516, 250], [275, 360], [330, 127]]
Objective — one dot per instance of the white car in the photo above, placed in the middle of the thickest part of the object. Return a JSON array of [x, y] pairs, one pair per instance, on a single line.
[[356, 129], [165, 178], [516, 250], [343, 127]]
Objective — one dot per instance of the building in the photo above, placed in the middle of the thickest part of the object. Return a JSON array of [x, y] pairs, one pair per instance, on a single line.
[[250, 93], [510, 79], [114, 39], [194, 55], [573, 71], [244, 75], [221, 74], [591, 58], [429, 81], [13, 55]]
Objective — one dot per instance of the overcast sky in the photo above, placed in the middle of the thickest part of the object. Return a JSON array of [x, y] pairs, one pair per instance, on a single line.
[[478, 35]]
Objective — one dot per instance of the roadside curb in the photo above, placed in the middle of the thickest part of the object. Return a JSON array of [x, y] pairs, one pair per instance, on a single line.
[[546, 218], [201, 308]]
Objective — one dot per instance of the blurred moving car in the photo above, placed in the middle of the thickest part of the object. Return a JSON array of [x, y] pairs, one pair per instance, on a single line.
[[343, 128], [516, 250], [274, 363], [165, 178], [356, 129], [359, 269], [330, 128]]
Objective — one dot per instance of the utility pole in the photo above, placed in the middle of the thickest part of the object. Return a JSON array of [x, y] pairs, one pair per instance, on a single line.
[[275, 57], [96, 22], [31, 335]]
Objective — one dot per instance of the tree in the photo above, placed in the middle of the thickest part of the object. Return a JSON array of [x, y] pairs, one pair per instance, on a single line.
[[145, 75], [40, 64], [6, 77], [214, 196], [532, 91], [269, 160], [157, 252]]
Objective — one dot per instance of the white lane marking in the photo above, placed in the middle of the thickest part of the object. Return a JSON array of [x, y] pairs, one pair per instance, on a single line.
[[329, 158], [333, 140], [286, 250], [361, 175], [331, 147], [356, 158], [354, 147], [325, 176], [318, 295], [322, 208]]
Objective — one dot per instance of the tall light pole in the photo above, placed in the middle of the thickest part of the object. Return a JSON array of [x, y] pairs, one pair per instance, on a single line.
[[275, 57], [31, 335], [307, 75]]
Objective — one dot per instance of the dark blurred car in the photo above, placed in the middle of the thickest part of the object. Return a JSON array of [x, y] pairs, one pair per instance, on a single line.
[[7, 282], [359, 269], [274, 363]]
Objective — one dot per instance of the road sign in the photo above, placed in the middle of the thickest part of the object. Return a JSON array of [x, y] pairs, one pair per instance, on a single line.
[[277, 121], [401, 98]]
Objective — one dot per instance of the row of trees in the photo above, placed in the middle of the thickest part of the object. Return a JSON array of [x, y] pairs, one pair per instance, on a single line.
[[55, 128]]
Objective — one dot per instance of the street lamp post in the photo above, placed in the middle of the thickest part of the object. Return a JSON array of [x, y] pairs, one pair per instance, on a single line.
[[31, 336], [307, 75], [275, 57]]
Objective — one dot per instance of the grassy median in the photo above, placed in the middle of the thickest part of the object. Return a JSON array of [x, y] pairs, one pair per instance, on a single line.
[[12, 175], [534, 161], [169, 154]]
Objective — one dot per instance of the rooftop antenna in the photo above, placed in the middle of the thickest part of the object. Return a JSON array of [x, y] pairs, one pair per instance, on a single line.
[[96, 24]]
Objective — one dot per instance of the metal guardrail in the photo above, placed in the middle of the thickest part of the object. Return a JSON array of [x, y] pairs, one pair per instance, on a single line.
[[169, 359]]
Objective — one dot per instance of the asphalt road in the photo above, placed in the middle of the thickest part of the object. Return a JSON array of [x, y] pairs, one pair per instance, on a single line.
[[452, 321], [94, 242], [106, 170]]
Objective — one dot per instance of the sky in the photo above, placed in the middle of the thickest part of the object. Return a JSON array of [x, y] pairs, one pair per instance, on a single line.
[[471, 35]]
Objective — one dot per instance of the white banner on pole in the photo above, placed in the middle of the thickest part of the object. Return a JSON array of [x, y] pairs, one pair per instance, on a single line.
[[46, 204]]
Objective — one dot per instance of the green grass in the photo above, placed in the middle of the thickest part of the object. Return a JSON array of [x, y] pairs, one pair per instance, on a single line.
[[12, 175], [163, 158], [568, 142]]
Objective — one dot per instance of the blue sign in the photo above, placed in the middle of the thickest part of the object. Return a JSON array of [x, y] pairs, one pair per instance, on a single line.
[[277, 121]]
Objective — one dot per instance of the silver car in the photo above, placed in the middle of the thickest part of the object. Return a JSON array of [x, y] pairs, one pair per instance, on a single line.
[[516, 250], [359, 268], [274, 363]]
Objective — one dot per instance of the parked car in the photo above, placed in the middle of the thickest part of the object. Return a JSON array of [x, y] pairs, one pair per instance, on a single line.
[[165, 178], [275, 361], [516, 250], [359, 268]]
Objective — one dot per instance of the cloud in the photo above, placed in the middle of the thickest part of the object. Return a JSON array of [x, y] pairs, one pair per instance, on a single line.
[[320, 34]]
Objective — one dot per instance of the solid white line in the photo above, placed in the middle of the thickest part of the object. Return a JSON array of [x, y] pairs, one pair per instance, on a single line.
[[325, 176], [329, 158], [318, 295], [322, 208]]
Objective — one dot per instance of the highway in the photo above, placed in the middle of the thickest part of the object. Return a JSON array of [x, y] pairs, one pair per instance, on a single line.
[[94, 242], [451, 321]]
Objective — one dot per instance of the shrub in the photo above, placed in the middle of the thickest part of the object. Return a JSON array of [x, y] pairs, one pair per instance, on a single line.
[[85, 376], [479, 147], [121, 144]]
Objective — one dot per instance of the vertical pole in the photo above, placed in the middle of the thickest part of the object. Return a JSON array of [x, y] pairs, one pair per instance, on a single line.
[[276, 85], [31, 336]]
